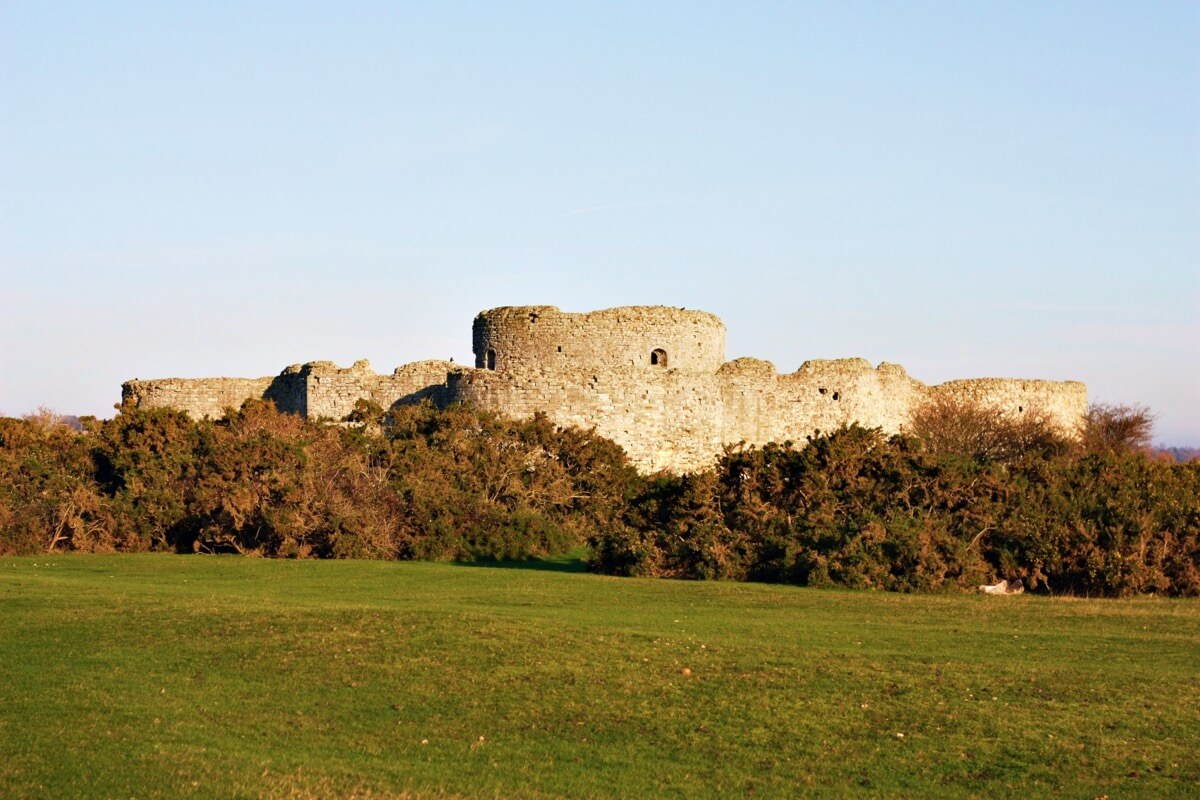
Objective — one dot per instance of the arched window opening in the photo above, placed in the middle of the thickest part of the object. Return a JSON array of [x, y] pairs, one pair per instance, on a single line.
[[658, 357], [491, 359]]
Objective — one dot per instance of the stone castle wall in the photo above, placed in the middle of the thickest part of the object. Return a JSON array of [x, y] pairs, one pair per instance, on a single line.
[[653, 379], [1061, 400], [761, 406], [318, 389], [542, 338], [332, 392], [662, 418], [200, 397]]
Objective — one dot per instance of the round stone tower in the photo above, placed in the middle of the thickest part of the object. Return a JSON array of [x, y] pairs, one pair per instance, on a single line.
[[537, 338]]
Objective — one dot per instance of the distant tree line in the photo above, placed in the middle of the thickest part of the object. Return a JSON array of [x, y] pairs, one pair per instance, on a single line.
[[966, 497], [1180, 454]]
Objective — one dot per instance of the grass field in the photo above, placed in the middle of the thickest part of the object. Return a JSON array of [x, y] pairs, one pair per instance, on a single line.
[[179, 676]]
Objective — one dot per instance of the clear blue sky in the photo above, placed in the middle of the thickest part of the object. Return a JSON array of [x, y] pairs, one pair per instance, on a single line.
[[968, 189]]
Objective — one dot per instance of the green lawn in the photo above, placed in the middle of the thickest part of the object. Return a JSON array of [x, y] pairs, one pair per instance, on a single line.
[[189, 676]]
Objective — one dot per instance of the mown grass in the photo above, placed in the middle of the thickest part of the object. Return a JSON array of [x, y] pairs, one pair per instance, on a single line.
[[170, 676]]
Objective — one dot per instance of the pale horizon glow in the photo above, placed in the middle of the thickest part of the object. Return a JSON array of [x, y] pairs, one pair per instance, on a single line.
[[968, 190]]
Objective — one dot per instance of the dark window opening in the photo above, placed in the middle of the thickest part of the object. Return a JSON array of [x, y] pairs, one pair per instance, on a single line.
[[560, 348], [837, 396], [1020, 409], [822, 390], [658, 357], [491, 359], [533, 317]]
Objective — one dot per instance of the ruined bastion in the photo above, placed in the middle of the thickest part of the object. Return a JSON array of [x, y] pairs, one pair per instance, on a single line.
[[652, 378]]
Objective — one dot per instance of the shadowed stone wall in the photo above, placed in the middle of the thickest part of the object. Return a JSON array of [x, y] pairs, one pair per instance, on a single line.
[[210, 397], [318, 389], [332, 392], [651, 378]]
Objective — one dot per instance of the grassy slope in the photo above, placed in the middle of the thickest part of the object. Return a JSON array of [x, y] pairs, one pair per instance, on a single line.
[[165, 676]]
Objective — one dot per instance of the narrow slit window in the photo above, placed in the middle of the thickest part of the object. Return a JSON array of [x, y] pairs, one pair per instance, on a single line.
[[658, 357], [491, 359]]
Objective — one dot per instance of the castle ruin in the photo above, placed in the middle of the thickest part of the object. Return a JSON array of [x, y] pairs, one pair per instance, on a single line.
[[652, 378]]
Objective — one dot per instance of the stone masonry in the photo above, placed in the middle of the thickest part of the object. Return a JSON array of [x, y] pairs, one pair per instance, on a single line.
[[652, 378]]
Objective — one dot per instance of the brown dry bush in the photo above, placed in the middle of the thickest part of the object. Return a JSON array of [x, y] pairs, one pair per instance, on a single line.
[[414, 483], [49, 497], [855, 508], [962, 427], [1115, 428], [990, 498]]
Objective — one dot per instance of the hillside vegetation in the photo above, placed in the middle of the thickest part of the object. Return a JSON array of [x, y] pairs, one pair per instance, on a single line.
[[970, 497]]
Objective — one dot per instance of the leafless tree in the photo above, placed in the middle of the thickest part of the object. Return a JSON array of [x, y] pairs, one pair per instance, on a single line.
[[1115, 428]]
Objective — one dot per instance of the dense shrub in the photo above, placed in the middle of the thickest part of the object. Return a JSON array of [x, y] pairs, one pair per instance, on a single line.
[[975, 497], [415, 483], [856, 508], [49, 499], [147, 463], [959, 427], [1108, 428], [476, 485], [852, 508]]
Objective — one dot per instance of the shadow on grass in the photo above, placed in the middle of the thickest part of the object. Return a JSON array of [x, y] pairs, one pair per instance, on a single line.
[[567, 562]]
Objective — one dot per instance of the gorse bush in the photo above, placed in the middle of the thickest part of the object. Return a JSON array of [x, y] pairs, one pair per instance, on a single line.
[[49, 496], [416, 483], [852, 508], [856, 508], [958, 427], [475, 485], [967, 497]]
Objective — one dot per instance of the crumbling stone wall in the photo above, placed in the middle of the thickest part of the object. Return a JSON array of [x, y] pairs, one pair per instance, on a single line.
[[542, 338], [761, 406], [332, 392], [1063, 401], [652, 378], [318, 389], [203, 397], [664, 419]]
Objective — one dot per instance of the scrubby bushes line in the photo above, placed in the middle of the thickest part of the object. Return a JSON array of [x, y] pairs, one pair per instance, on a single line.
[[968, 497], [414, 483], [856, 508]]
